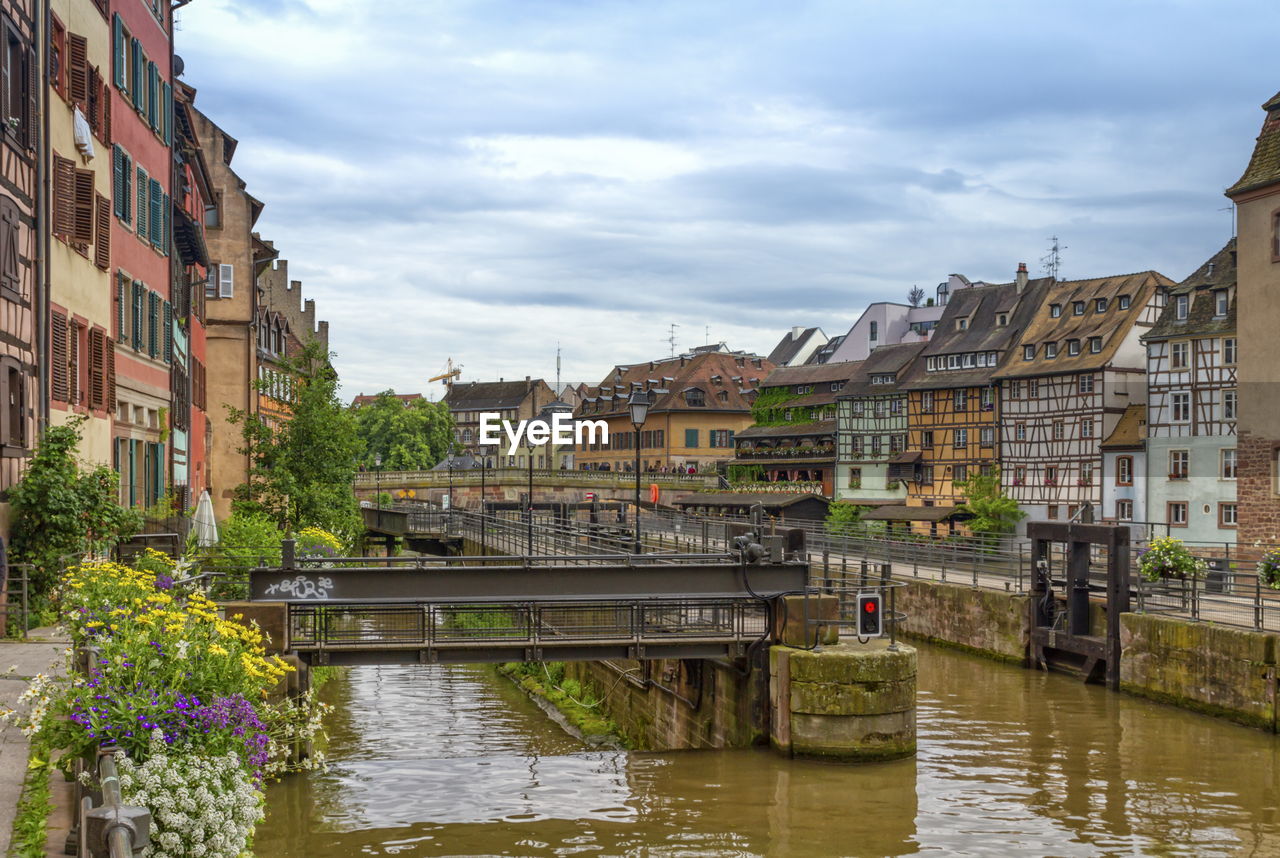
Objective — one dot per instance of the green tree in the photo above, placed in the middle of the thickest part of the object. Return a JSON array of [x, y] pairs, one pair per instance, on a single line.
[[301, 469], [994, 513], [844, 518], [61, 511], [411, 436]]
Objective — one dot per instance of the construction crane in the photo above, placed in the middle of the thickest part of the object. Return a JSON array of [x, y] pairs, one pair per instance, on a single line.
[[451, 372]]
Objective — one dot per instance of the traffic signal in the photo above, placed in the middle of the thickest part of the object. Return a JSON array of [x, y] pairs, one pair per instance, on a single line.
[[870, 615]]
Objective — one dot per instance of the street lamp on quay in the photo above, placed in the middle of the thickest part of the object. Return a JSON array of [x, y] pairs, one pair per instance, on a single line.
[[639, 404], [377, 480]]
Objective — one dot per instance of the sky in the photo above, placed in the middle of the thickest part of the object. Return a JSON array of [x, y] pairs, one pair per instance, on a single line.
[[482, 181]]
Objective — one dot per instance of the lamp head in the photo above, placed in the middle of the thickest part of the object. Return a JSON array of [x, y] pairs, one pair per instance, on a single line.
[[639, 405]]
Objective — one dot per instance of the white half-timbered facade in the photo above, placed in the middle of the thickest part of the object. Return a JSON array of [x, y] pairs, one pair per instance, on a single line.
[[1078, 366], [1192, 406]]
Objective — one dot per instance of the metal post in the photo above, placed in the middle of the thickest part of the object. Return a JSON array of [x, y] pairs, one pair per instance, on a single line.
[[637, 522], [484, 466], [529, 536], [1257, 601]]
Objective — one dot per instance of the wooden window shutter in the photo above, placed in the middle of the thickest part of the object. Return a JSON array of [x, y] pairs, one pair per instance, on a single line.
[[73, 363], [106, 112], [10, 230], [144, 189], [97, 369], [153, 94], [102, 236], [166, 237], [84, 206], [139, 315], [153, 324], [117, 180], [167, 321], [155, 218], [168, 113], [59, 378], [78, 69], [64, 196], [122, 307], [135, 72], [226, 280], [117, 53], [32, 107], [111, 376]]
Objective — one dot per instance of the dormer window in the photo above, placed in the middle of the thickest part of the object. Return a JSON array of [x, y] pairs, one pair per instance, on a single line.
[[1055, 310], [1221, 302], [1095, 345], [1077, 308], [1029, 352], [1181, 307], [723, 395], [695, 398], [1050, 350], [962, 324], [1002, 319], [1073, 347], [1100, 305], [1124, 302]]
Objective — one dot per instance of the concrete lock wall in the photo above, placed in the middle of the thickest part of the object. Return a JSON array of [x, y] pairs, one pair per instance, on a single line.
[[852, 702], [985, 622]]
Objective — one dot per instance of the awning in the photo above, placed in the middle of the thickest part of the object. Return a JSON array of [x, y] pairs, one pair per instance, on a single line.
[[915, 513], [908, 458]]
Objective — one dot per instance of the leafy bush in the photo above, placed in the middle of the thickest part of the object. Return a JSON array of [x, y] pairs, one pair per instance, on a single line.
[[245, 540], [1167, 557]]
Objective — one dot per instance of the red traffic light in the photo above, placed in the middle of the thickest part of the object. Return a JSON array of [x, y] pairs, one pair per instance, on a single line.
[[869, 607]]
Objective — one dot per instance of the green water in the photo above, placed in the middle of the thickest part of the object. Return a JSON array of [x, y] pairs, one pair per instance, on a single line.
[[454, 761]]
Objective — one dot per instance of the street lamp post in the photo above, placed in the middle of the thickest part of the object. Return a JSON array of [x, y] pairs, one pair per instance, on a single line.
[[377, 481], [639, 404], [484, 466], [529, 524]]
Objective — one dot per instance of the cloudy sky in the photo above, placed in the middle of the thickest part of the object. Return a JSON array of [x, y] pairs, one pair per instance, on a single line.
[[482, 180]]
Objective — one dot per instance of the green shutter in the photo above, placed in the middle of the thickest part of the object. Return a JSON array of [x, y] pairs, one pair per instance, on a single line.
[[122, 333], [135, 71], [138, 315], [144, 208], [167, 92], [153, 324], [117, 180], [133, 470], [155, 221], [153, 94], [117, 55], [167, 238], [126, 195], [168, 332], [158, 459]]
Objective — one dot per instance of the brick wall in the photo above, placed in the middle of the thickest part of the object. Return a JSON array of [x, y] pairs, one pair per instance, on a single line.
[[1259, 506]]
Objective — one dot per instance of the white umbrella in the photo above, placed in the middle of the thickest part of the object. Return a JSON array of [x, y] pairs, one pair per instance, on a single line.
[[205, 524]]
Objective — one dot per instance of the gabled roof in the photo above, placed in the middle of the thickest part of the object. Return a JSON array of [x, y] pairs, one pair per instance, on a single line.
[[1131, 430], [789, 430], [1112, 324], [895, 359], [489, 395], [666, 380], [1264, 165], [792, 344], [1218, 272], [821, 376]]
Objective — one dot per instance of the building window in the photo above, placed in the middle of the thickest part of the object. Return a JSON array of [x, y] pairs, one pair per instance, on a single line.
[[1086, 427], [1100, 305], [961, 438], [875, 445], [1085, 384], [1124, 510], [1177, 513], [1019, 476], [874, 332], [1051, 475], [987, 436], [926, 475], [1050, 350], [1059, 432], [926, 401], [960, 400], [1228, 470], [696, 398], [1077, 308], [1179, 355], [1086, 474], [1073, 347], [691, 437], [1179, 464], [1052, 512], [1033, 388], [1229, 405], [960, 474], [1055, 310], [1029, 352], [1229, 350], [1020, 432], [962, 324], [1002, 319], [1015, 390], [855, 478], [1181, 407], [1095, 345], [1181, 307], [1124, 470], [1226, 515], [1220, 302], [988, 398], [926, 439]]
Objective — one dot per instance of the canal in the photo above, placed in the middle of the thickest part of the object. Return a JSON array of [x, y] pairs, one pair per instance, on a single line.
[[455, 761]]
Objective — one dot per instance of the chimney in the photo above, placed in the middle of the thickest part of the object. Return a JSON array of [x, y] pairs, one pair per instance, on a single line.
[[796, 332], [1021, 277]]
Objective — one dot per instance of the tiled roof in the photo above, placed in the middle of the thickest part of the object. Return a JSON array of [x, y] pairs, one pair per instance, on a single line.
[[487, 395], [714, 373], [895, 359], [1264, 165], [821, 376], [1130, 431], [1218, 272], [1112, 324]]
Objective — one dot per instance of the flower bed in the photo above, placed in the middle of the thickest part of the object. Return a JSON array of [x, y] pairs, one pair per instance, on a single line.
[[183, 694]]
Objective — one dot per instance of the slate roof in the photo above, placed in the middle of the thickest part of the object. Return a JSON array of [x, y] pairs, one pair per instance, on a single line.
[[1264, 165], [980, 305], [894, 359], [789, 346], [1218, 272], [667, 381], [1131, 430], [1112, 324], [823, 354], [491, 395], [821, 376]]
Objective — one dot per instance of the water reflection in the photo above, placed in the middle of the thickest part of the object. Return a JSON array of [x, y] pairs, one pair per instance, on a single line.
[[452, 761]]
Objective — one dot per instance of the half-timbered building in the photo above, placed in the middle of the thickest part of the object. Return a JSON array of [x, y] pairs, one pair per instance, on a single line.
[[794, 437], [953, 414], [19, 285], [1192, 405], [1078, 363], [874, 465]]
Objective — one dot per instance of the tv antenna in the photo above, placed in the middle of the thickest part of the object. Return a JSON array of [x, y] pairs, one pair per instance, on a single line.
[[1231, 209], [1051, 262], [671, 338]]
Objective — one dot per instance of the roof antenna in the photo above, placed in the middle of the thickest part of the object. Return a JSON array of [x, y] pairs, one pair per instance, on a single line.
[[671, 338], [1231, 209], [1051, 262], [557, 368]]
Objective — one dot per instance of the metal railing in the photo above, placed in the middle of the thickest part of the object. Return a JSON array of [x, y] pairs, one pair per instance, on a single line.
[[519, 476], [847, 587]]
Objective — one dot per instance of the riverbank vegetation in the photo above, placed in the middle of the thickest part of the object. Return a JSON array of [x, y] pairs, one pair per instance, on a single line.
[[189, 699], [578, 703]]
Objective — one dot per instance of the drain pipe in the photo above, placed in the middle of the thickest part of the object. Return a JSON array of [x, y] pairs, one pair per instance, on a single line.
[[40, 300]]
